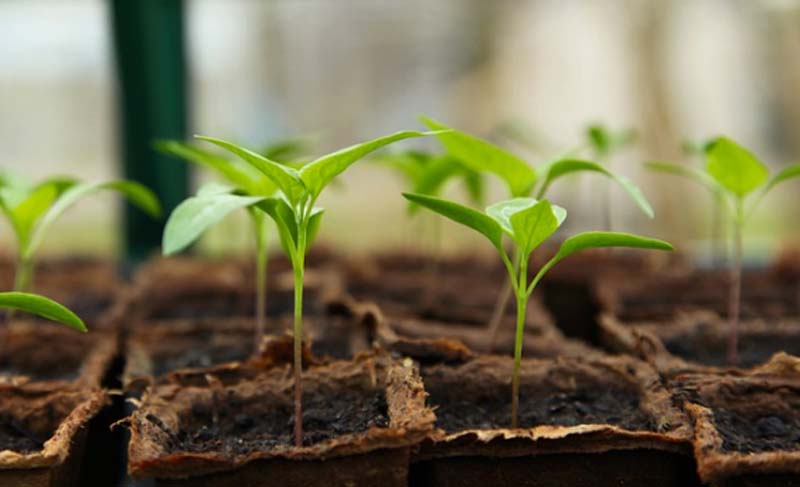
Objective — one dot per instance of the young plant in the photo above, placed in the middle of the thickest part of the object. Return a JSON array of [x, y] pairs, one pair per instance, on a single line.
[[31, 209], [245, 187], [603, 143], [297, 219], [527, 222], [41, 306], [736, 175], [523, 180]]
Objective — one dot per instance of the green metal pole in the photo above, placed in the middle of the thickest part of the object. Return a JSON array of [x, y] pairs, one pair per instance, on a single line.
[[151, 70]]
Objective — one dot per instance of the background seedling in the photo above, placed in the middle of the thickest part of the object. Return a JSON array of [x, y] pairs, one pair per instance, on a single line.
[[604, 143], [527, 222], [524, 180], [31, 209], [245, 186], [297, 219], [733, 173]]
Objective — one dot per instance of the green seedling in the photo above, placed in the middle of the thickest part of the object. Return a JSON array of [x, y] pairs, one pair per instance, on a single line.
[[245, 187], [41, 306], [524, 180], [527, 222], [298, 219], [603, 143], [32, 209], [735, 175]]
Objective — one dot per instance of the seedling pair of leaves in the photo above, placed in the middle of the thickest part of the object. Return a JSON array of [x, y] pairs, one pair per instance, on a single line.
[[527, 223], [293, 210], [32, 209], [740, 180]]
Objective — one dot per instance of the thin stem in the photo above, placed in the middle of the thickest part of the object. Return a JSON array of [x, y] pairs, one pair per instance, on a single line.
[[261, 277], [736, 286], [501, 305], [299, 266], [23, 278], [522, 301]]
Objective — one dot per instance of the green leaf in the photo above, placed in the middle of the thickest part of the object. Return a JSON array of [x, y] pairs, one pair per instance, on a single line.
[[567, 166], [244, 177], [283, 216], [589, 240], [535, 224], [686, 171], [464, 215], [28, 212], [317, 174], [735, 168], [784, 175], [501, 211], [41, 306], [136, 193], [434, 176], [605, 141], [314, 221], [482, 156], [285, 178], [197, 214], [213, 187]]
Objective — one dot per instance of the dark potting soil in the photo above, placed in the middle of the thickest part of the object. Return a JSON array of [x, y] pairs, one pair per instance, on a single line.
[[583, 405], [712, 349], [234, 428], [201, 357], [221, 305], [16, 437], [746, 434]]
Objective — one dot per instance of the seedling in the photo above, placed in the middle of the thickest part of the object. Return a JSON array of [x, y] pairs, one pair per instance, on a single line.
[[246, 186], [32, 209], [736, 174], [604, 143], [297, 219], [41, 306], [524, 180], [527, 222]]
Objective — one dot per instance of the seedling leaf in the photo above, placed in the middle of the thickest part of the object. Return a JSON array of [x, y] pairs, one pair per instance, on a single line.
[[317, 174], [501, 211], [474, 219], [41, 306], [482, 156], [735, 168], [686, 171], [589, 240], [285, 178], [197, 214], [785, 174], [567, 166], [533, 225]]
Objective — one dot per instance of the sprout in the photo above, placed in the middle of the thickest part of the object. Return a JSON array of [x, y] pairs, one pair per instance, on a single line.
[[527, 222], [245, 186], [298, 219], [733, 174], [32, 209]]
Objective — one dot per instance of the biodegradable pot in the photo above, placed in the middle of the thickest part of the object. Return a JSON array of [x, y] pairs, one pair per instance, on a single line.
[[219, 346], [694, 341], [44, 432], [605, 421], [361, 418], [35, 351], [185, 288], [747, 429]]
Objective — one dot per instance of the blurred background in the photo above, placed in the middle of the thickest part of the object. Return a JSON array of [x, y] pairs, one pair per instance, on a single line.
[[348, 70]]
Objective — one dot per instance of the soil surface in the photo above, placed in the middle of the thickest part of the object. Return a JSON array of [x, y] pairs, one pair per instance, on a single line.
[[16, 437], [233, 427], [585, 404], [201, 357], [221, 305], [711, 350], [770, 432]]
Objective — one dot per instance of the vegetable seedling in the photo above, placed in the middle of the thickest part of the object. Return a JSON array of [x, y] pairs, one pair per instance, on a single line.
[[735, 174], [245, 187], [527, 222], [32, 209], [298, 219], [525, 180]]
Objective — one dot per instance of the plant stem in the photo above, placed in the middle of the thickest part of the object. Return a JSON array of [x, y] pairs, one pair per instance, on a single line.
[[522, 301], [497, 314], [299, 270], [23, 277], [736, 286], [261, 278]]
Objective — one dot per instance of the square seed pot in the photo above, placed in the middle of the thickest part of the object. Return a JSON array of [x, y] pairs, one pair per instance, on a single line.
[[361, 419], [695, 341], [44, 432], [747, 428], [601, 422], [82, 359]]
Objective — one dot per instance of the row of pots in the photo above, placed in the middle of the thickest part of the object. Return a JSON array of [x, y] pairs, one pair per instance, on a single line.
[[419, 409]]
